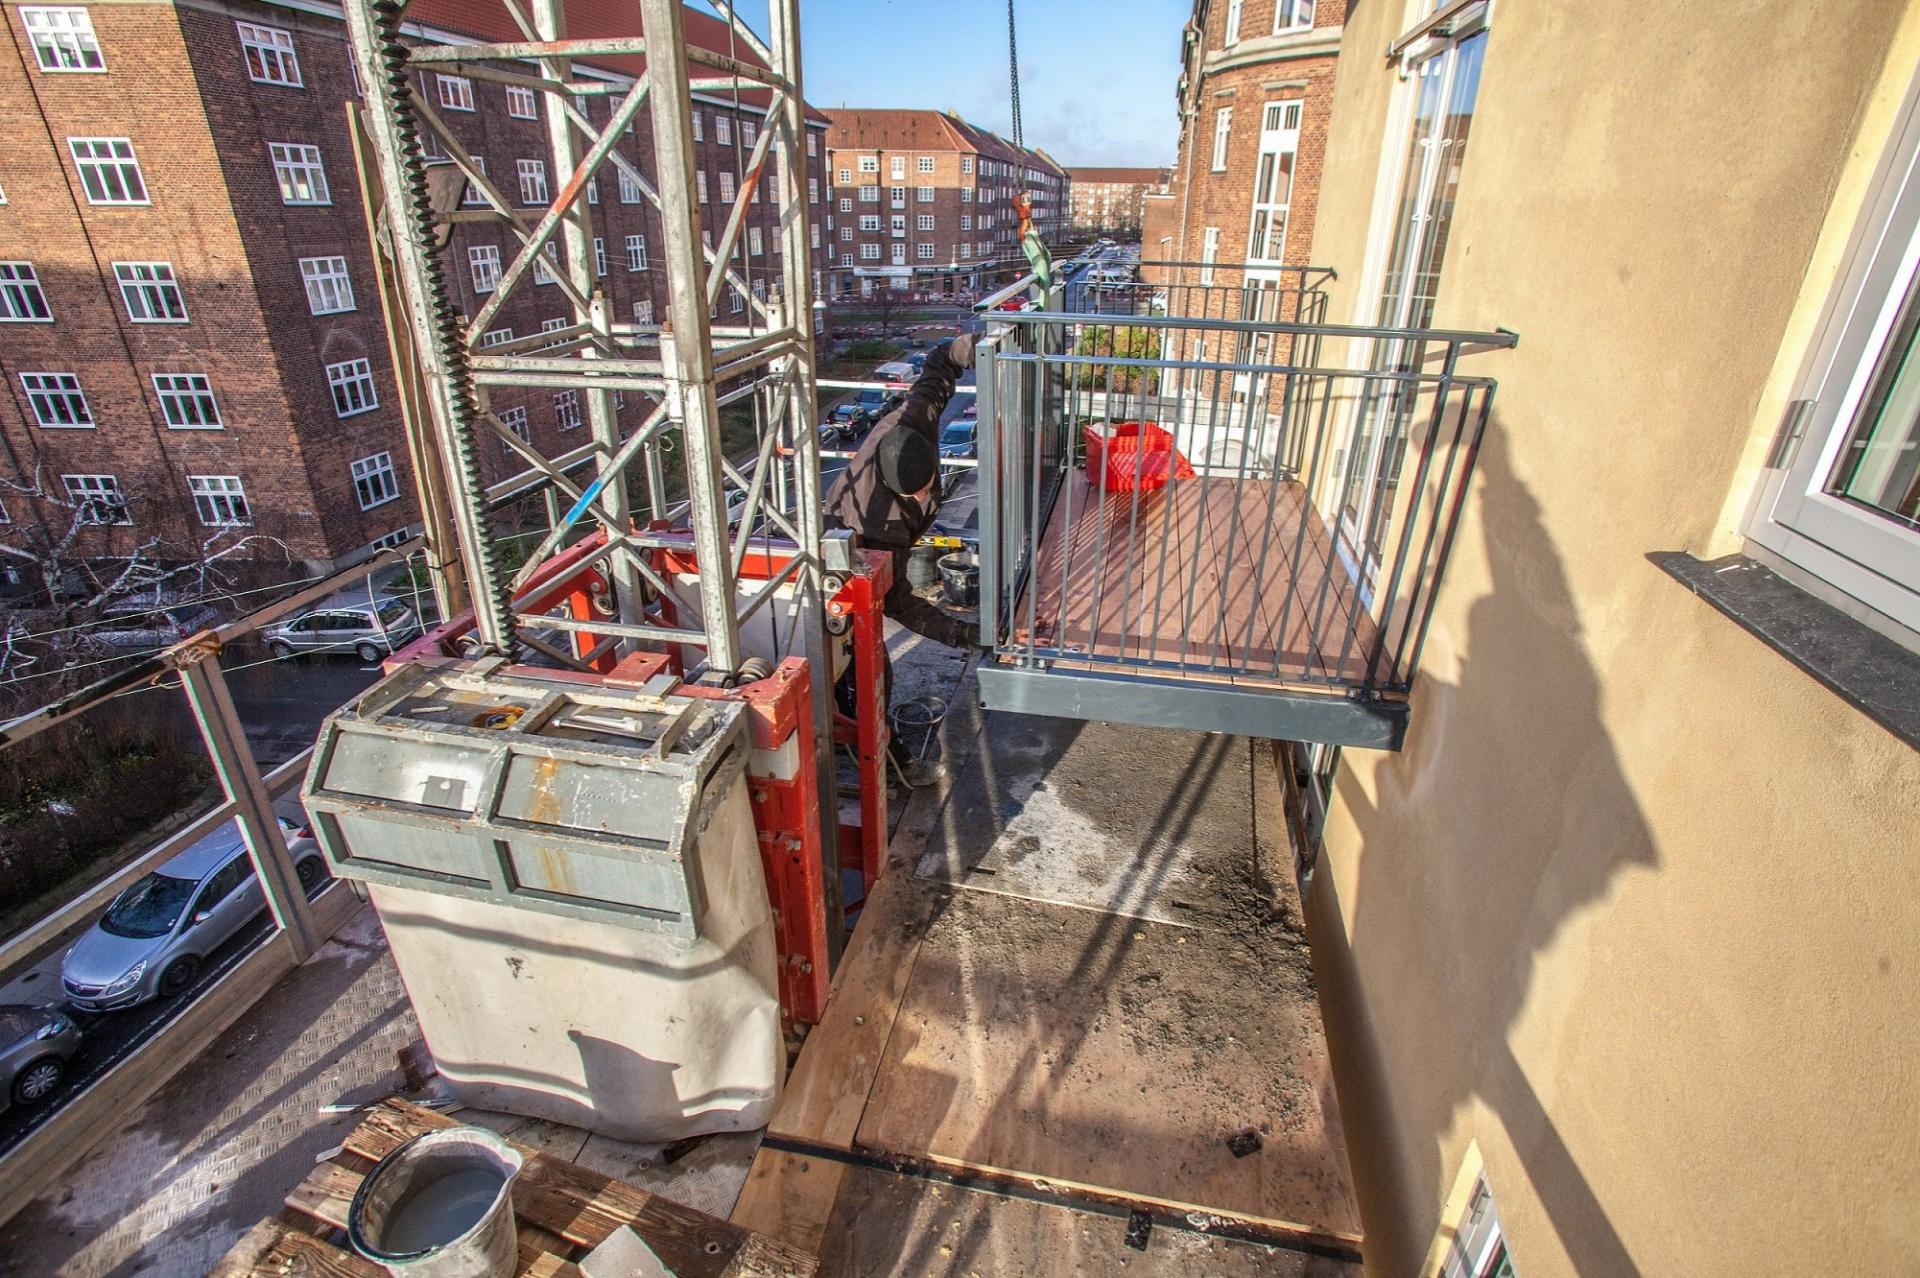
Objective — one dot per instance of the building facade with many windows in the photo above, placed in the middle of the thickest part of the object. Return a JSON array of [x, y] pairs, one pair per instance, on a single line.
[[1112, 201], [189, 322], [1255, 96], [924, 200]]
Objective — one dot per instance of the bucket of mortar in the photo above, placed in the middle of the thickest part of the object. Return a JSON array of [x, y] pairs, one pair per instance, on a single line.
[[440, 1206]]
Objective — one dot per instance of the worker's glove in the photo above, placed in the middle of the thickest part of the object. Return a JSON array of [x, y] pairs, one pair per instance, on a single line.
[[960, 350]]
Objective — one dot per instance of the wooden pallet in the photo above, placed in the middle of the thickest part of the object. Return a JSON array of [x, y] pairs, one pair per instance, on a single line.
[[564, 1211]]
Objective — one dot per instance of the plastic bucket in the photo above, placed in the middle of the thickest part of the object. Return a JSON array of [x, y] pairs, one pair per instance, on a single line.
[[440, 1206], [960, 578]]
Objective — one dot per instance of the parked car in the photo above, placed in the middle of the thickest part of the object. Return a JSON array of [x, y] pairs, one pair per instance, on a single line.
[[147, 621], [35, 1045], [355, 628], [918, 359], [894, 372], [154, 938], [958, 436]]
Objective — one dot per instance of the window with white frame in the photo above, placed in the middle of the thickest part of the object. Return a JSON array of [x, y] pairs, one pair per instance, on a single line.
[[846, 259], [846, 234], [553, 325], [353, 390], [964, 251], [897, 196], [329, 291], [566, 409], [546, 263], [22, 300], [219, 500], [455, 92], [373, 480], [1209, 253], [186, 401], [515, 420], [814, 232], [869, 195], [966, 221], [97, 498], [643, 311], [966, 195], [533, 181], [896, 166], [599, 256], [869, 163], [846, 204], [813, 190], [737, 300], [471, 194], [593, 190], [629, 188], [699, 131], [722, 129], [753, 241], [1222, 130], [1273, 181], [522, 103], [1292, 15], [636, 252], [495, 337], [269, 54], [700, 184], [301, 173], [899, 226], [484, 261], [151, 292], [726, 188], [924, 222], [899, 255], [924, 194], [926, 164], [1230, 36], [57, 401], [1839, 500], [924, 252], [966, 164], [846, 176], [869, 252], [62, 39], [109, 170], [813, 146], [747, 134]]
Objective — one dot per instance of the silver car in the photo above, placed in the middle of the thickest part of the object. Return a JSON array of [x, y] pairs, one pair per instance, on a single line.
[[35, 1045], [155, 936], [355, 628]]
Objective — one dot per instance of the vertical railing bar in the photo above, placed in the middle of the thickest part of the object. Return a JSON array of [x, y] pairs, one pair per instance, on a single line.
[[1453, 528]]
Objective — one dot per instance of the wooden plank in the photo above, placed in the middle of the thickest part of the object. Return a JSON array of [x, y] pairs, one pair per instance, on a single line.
[[583, 1207], [272, 1248], [790, 1197], [886, 1223], [1120, 1054]]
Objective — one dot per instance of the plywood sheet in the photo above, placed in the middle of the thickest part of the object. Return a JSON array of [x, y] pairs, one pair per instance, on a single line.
[[1119, 1053]]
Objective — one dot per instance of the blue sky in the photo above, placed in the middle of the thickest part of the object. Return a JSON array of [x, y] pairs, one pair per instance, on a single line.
[[1096, 76]]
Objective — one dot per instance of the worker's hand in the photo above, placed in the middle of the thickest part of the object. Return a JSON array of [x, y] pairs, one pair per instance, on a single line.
[[960, 350]]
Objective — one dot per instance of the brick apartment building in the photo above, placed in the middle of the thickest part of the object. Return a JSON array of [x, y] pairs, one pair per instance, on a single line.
[[1255, 94], [924, 200], [1112, 201], [190, 334]]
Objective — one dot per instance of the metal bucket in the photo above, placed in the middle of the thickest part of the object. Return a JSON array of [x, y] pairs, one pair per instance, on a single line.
[[440, 1206], [960, 578]]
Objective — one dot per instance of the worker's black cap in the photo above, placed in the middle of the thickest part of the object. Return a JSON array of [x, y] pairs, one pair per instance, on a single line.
[[907, 461]]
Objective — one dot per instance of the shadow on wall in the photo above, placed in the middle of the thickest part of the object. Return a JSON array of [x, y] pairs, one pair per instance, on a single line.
[[1447, 1019]]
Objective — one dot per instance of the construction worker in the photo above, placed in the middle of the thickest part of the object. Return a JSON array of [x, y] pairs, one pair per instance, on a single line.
[[888, 495]]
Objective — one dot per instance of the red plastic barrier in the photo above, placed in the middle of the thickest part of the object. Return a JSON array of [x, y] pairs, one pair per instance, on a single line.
[[1130, 455]]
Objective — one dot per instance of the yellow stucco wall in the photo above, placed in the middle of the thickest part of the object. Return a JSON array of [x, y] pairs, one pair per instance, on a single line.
[[1638, 907]]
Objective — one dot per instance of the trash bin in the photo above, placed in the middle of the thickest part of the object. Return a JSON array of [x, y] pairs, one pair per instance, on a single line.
[[569, 880]]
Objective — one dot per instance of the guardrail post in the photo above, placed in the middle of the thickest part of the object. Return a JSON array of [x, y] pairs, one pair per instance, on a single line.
[[233, 763], [987, 477]]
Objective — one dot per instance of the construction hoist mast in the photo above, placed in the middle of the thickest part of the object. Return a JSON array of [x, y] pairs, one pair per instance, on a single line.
[[666, 483]]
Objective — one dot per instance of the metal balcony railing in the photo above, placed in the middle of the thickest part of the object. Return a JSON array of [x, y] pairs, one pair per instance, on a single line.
[[1211, 512]]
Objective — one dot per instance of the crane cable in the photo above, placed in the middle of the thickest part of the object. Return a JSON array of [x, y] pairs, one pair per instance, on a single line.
[[1030, 242]]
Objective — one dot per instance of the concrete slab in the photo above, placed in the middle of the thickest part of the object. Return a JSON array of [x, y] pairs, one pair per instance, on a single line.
[[1147, 822]]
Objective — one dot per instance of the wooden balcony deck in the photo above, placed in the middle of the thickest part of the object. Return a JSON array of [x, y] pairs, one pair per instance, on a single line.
[[1212, 578]]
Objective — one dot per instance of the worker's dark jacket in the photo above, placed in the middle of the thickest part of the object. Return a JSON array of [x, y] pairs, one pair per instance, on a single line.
[[882, 519]]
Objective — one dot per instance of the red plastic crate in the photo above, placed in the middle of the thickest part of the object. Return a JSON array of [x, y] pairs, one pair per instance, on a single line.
[[1133, 455]]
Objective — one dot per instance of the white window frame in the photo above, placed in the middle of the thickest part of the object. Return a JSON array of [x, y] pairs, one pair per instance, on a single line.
[[923, 252], [353, 388], [23, 299], [899, 255], [187, 401], [533, 181], [1231, 35], [373, 476], [566, 409], [58, 401], [1222, 136], [924, 222], [643, 311], [636, 253], [924, 194], [63, 40], [629, 188], [454, 92], [722, 129], [869, 195], [98, 495], [599, 255], [754, 245], [1859, 552], [869, 252], [495, 337], [151, 292], [868, 163], [924, 164], [1292, 15], [813, 190], [220, 501], [700, 184], [109, 171], [522, 103], [483, 262], [329, 286], [515, 420], [269, 55], [1270, 220], [1209, 254], [300, 171], [726, 188], [472, 196], [966, 164]]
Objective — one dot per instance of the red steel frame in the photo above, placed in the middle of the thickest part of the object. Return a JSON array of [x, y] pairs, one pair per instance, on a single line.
[[782, 776]]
